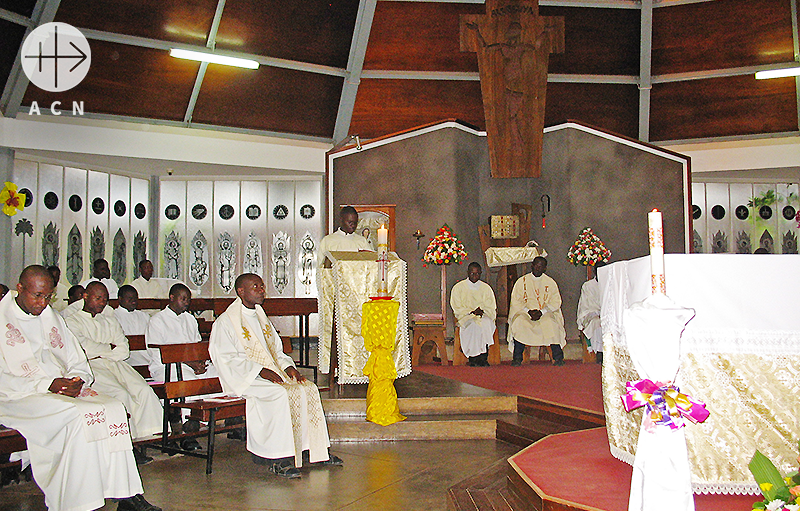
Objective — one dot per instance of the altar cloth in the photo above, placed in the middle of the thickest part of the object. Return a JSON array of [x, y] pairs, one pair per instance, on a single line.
[[504, 256], [348, 284], [740, 355]]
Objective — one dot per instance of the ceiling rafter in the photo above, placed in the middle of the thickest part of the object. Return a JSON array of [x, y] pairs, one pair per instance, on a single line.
[[355, 65], [158, 44], [211, 43], [43, 12]]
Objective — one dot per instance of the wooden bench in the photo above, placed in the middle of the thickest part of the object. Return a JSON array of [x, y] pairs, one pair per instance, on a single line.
[[208, 410]]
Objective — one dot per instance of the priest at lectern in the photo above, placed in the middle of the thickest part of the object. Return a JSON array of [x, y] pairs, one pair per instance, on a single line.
[[344, 239]]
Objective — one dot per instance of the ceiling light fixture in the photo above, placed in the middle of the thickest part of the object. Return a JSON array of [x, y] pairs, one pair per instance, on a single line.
[[778, 73], [213, 58]]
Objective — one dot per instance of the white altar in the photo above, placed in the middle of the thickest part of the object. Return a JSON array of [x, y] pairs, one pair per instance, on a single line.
[[349, 283], [740, 355]]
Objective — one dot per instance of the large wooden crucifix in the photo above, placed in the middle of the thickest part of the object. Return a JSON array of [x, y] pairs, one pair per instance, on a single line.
[[513, 44]]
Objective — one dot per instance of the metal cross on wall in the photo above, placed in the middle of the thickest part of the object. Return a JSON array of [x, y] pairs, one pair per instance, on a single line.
[[513, 44]]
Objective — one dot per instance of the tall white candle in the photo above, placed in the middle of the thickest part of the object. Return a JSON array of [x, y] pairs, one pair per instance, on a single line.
[[383, 236], [656, 236]]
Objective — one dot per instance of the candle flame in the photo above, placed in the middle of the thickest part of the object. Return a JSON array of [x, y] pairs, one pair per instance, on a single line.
[[655, 210]]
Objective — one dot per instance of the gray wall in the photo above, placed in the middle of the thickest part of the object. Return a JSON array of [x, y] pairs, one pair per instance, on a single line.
[[444, 177]]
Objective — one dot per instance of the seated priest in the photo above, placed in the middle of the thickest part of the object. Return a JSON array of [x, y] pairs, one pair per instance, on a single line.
[[285, 422], [133, 322], [589, 314], [101, 337], [101, 272], [60, 294], [534, 314], [45, 395], [175, 325], [150, 287], [475, 309]]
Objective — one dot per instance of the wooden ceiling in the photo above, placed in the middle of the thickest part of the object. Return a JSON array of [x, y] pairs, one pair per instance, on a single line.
[[330, 68]]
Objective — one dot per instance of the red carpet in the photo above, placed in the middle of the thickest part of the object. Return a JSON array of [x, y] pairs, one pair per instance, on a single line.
[[576, 385], [590, 477]]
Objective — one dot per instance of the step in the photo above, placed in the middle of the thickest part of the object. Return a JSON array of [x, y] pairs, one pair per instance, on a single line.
[[524, 430], [487, 490], [426, 405], [416, 427]]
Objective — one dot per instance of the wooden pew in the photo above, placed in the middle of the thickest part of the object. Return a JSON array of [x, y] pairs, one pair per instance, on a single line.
[[209, 409]]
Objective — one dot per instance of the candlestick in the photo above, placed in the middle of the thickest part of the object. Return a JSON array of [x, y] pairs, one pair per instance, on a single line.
[[656, 236]]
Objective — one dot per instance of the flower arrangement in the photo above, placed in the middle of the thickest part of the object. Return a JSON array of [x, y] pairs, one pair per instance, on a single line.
[[444, 249], [780, 493], [11, 199], [588, 249]]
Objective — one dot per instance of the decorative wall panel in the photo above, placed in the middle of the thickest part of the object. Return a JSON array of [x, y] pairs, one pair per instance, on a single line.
[[786, 213], [765, 220], [26, 177], [226, 240], [139, 214], [718, 223], [172, 230], [741, 218], [280, 225], [73, 267], [51, 203], [308, 234], [254, 227], [99, 246], [119, 227], [200, 234]]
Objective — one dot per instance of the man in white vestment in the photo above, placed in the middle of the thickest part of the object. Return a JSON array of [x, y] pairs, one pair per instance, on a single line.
[[344, 239], [175, 325], [101, 272], [60, 293], [77, 460], [589, 314], [475, 309], [534, 314], [283, 412], [149, 287], [133, 322], [100, 334]]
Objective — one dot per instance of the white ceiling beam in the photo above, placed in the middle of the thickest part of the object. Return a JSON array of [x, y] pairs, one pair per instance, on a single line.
[[13, 17], [211, 44], [645, 68], [355, 66], [43, 12]]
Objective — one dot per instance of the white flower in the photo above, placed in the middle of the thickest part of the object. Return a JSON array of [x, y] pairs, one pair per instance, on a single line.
[[775, 505], [792, 507]]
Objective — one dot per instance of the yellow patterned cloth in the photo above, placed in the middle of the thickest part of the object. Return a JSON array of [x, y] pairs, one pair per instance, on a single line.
[[378, 328], [352, 281]]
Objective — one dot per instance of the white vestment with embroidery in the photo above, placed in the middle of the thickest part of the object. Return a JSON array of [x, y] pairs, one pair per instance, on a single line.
[[536, 293], [80, 448], [113, 376], [283, 419]]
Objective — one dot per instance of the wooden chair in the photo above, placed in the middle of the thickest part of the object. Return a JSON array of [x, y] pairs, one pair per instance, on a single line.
[[424, 332], [207, 410], [459, 359]]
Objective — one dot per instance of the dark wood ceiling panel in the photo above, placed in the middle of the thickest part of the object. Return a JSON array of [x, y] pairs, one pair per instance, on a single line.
[[315, 31], [270, 99], [187, 21], [419, 36], [721, 34], [613, 107], [597, 41], [722, 107], [388, 106], [12, 39], [131, 81], [24, 7]]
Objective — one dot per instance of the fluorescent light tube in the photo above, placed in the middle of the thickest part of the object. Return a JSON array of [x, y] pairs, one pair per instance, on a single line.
[[778, 73], [213, 58]]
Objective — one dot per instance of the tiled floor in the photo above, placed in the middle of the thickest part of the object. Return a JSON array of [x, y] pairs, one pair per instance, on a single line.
[[382, 476]]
